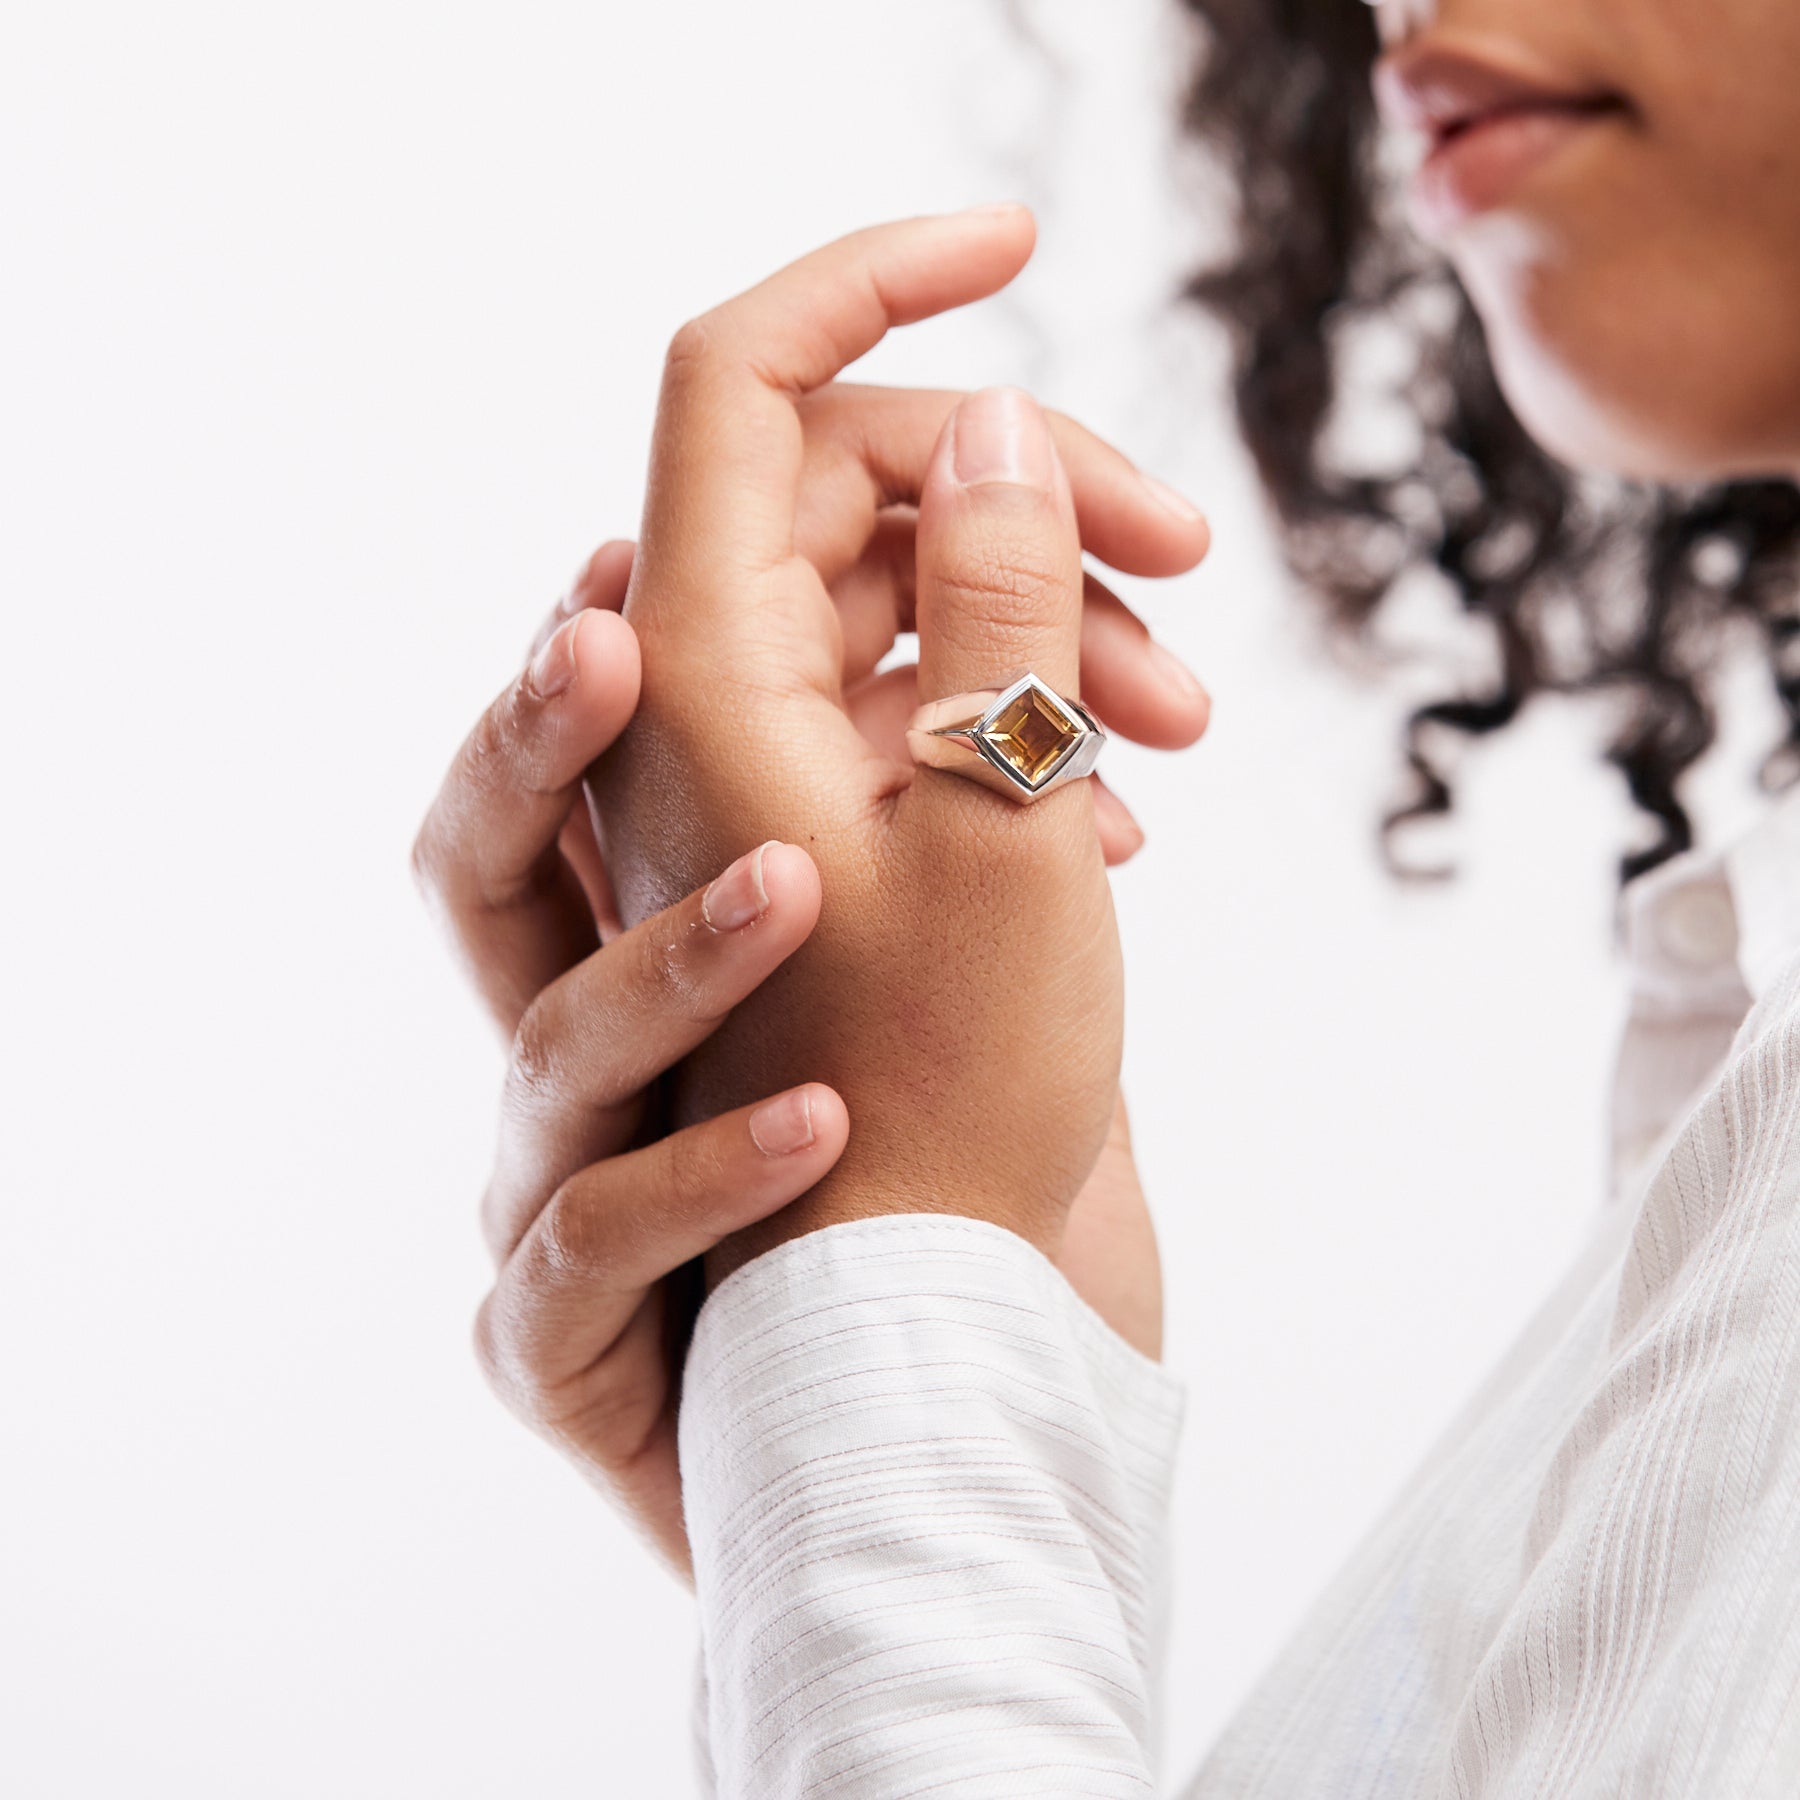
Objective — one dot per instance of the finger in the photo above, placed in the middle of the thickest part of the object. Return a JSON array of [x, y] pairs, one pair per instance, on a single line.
[[727, 452], [593, 1041], [881, 706], [486, 857], [1121, 836], [1141, 690], [999, 560], [580, 1273], [599, 586], [874, 596], [603, 579], [868, 449]]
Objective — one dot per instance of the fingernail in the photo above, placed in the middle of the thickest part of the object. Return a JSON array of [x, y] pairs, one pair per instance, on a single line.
[[1170, 501], [1178, 677], [553, 668], [994, 209], [783, 1125], [1000, 435], [738, 896]]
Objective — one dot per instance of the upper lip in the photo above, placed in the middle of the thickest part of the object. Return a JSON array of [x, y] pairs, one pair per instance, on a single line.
[[1442, 90]]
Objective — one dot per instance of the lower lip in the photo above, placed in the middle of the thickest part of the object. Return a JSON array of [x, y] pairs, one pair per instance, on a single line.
[[1482, 166]]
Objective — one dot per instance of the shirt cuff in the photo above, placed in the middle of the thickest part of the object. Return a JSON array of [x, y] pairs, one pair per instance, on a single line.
[[926, 1490]]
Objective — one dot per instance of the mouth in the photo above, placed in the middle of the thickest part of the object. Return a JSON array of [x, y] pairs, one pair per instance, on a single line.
[[1486, 124]]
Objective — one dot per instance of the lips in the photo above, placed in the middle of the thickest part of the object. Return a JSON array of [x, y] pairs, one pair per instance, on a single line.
[[1487, 125]]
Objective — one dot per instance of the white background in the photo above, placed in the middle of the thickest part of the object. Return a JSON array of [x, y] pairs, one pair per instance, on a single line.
[[328, 342]]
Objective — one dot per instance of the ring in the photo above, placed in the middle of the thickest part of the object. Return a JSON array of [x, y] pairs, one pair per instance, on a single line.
[[1022, 741]]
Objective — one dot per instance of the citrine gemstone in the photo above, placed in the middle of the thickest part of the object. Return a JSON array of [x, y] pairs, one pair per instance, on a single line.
[[1032, 734]]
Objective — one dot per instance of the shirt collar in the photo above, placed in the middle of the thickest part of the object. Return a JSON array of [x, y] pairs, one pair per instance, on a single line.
[[1713, 929]]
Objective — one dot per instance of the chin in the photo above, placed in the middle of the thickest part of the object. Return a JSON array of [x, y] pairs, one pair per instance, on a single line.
[[1587, 424], [1620, 371]]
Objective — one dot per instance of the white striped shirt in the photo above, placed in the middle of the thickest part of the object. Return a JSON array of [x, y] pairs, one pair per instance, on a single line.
[[926, 1487]]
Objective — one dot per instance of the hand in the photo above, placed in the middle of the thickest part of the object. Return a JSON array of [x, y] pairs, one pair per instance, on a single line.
[[581, 1343], [593, 1220], [962, 991], [593, 1216]]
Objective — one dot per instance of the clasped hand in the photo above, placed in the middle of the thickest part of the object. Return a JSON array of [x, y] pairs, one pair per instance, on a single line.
[[901, 993]]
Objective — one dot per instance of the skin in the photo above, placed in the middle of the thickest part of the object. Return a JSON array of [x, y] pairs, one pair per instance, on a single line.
[[726, 604], [1637, 292], [1639, 288], [865, 529]]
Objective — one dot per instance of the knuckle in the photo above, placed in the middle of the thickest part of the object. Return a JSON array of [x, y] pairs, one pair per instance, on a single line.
[[1010, 572], [521, 1328], [557, 1239], [488, 743], [490, 1352], [502, 1349], [494, 746], [696, 1171], [497, 1218], [997, 590], [516, 745], [489, 756], [500, 1354], [535, 1070], [570, 1242], [667, 979]]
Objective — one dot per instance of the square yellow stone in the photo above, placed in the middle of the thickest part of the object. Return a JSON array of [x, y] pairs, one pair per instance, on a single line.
[[1032, 734]]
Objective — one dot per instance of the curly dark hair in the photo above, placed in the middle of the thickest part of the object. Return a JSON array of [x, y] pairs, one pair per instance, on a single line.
[[1586, 587]]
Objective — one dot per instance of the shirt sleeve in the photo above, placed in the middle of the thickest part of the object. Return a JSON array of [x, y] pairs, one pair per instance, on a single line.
[[926, 1490]]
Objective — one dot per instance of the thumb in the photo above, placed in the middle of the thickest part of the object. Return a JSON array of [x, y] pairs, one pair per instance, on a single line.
[[998, 572], [998, 552]]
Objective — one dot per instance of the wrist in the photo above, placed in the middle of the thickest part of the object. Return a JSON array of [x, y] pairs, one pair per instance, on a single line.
[[893, 1166]]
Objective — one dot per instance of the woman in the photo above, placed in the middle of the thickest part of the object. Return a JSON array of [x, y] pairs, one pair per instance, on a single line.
[[921, 1455]]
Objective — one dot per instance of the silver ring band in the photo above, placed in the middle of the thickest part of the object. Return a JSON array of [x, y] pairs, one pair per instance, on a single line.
[[1023, 740]]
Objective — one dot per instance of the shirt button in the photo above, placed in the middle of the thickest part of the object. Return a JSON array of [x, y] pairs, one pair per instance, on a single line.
[[1697, 926]]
